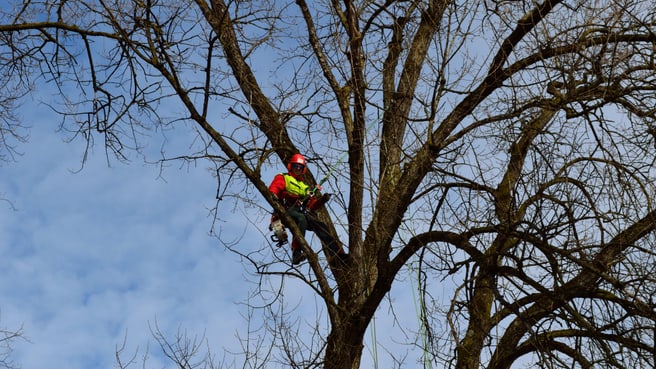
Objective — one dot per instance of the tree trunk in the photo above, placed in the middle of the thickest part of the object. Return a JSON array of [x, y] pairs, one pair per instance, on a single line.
[[469, 349], [345, 343]]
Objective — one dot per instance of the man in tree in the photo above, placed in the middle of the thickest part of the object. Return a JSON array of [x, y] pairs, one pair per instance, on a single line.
[[300, 200], [507, 156]]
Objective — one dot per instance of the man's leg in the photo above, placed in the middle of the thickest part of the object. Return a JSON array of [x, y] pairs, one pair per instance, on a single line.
[[301, 221], [321, 230]]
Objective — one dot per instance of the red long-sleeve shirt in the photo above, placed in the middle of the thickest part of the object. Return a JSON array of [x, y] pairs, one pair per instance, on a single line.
[[278, 187]]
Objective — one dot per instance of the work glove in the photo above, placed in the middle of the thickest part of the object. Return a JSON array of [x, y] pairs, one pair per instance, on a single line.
[[315, 203], [315, 191]]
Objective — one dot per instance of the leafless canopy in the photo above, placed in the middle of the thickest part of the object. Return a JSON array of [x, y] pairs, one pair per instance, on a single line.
[[500, 151]]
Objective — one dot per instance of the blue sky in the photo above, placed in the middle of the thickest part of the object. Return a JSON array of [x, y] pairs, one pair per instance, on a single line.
[[89, 258], [96, 256]]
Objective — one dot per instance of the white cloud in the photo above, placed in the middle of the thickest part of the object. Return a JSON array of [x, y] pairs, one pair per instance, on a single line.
[[89, 257]]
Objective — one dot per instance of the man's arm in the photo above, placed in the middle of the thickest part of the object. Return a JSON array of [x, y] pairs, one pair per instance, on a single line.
[[277, 186]]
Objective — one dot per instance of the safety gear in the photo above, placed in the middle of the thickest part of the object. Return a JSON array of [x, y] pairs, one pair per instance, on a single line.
[[279, 233], [296, 166], [295, 187], [300, 199], [339, 259], [315, 203], [298, 256], [314, 191], [297, 159]]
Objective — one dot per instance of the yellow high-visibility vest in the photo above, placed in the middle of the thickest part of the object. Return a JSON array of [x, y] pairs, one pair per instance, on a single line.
[[295, 187]]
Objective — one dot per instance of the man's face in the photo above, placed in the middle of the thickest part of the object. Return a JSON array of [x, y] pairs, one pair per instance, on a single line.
[[297, 169]]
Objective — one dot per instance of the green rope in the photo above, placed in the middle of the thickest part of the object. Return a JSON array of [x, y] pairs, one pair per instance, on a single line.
[[420, 311], [332, 169], [421, 318], [341, 159], [374, 342]]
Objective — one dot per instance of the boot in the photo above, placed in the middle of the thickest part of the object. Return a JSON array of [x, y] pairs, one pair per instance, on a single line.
[[339, 260], [298, 256]]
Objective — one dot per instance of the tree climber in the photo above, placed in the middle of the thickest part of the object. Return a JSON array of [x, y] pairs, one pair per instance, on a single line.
[[301, 200]]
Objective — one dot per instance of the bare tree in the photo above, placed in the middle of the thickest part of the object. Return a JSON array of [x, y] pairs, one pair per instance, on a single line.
[[7, 339], [506, 146]]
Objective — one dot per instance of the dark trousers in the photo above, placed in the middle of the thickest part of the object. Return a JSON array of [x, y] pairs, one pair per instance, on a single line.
[[309, 222]]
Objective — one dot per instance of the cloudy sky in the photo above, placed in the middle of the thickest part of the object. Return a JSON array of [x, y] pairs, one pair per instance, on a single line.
[[93, 258], [90, 258]]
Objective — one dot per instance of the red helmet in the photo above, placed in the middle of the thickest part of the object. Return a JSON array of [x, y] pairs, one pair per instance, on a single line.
[[297, 159]]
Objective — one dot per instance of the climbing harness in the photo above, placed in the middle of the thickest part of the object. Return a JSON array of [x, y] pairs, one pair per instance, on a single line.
[[303, 204]]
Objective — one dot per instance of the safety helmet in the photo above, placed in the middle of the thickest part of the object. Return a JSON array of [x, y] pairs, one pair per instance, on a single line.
[[297, 159]]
